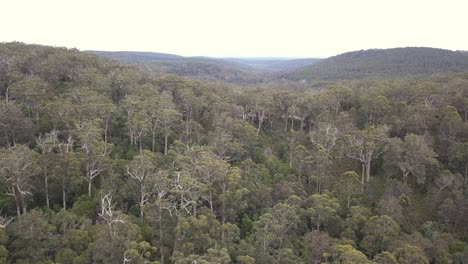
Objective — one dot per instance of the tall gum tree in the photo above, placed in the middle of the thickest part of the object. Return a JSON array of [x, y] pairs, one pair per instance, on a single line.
[[95, 152], [365, 146], [18, 165]]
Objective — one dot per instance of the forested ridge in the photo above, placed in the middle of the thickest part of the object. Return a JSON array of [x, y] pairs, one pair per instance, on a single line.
[[202, 68], [397, 62], [240, 71], [103, 162]]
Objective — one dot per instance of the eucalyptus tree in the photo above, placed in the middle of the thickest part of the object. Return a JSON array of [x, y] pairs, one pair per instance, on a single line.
[[95, 152], [47, 143], [18, 165], [365, 146], [137, 122], [147, 179], [15, 127], [167, 117], [348, 184], [378, 233], [321, 209], [412, 156], [32, 93]]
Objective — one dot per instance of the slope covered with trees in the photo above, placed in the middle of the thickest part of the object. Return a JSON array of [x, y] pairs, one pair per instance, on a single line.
[[233, 70], [202, 68], [383, 62], [105, 163]]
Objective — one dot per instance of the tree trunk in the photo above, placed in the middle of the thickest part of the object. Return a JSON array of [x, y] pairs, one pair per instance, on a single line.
[[23, 203], [368, 164], [106, 128], [142, 202], [64, 197], [165, 142], [176, 238], [46, 186], [153, 143], [89, 187], [7, 92], [259, 127], [260, 121], [405, 178], [130, 135], [291, 152], [18, 207], [140, 147], [211, 201], [363, 173], [349, 201], [161, 232]]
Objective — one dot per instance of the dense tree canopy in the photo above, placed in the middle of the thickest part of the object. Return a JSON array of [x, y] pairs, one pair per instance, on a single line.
[[101, 162]]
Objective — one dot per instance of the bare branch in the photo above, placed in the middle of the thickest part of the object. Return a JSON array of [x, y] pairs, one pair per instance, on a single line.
[[5, 221]]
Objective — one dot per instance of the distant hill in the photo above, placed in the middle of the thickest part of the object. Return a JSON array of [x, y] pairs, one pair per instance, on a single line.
[[135, 56], [203, 68], [275, 64], [382, 62], [234, 70]]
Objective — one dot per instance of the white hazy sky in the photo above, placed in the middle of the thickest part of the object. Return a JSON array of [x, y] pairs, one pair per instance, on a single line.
[[258, 28]]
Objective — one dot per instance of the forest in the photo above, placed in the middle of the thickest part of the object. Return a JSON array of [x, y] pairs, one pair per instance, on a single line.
[[103, 161]]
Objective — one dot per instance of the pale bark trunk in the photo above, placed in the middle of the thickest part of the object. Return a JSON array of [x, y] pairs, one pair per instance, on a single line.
[[259, 127], [165, 142], [106, 128], [140, 147], [368, 164], [18, 207], [349, 201], [211, 201], [405, 177], [153, 143], [142, 202], [363, 173], [7, 93], [161, 232], [23, 204], [89, 187], [64, 197], [46, 183], [291, 153]]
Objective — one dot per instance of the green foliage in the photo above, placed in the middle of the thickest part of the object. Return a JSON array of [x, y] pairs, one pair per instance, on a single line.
[[84, 206], [3, 254], [385, 257], [32, 237], [66, 256], [388, 62], [379, 231], [457, 246], [347, 254], [410, 254], [322, 209], [107, 163]]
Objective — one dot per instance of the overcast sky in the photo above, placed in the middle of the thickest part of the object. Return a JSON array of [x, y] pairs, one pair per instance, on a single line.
[[245, 28]]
